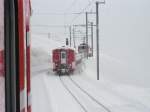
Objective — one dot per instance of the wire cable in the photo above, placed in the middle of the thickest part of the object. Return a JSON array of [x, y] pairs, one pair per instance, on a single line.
[[55, 14], [50, 26], [72, 4], [82, 11]]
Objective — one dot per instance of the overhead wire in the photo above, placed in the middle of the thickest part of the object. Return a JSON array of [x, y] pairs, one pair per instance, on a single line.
[[64, 14], [82, 11], [71, 5], [51, 26], [55, 13], [68, 9]]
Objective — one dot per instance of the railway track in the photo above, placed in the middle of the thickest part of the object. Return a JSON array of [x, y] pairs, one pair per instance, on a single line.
[[76, 99], [82, 91], [94, 99]]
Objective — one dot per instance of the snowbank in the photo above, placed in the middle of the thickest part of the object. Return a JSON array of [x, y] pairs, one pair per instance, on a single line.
[[119, 93], [39, 57], [41, 51], [117, 71]]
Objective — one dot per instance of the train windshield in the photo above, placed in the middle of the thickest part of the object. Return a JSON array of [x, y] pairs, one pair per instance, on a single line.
[[63, 57], [2, 77]]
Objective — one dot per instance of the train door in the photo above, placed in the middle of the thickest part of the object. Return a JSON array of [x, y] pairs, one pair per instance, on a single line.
[[2, 76], [63, 57]]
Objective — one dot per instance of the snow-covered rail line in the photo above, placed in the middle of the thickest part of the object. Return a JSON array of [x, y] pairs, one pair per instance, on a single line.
[[65, 86], [90, 96], [87, 102]]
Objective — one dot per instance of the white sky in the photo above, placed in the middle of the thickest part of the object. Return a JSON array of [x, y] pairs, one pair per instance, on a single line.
[[58, 6], [116, 10]]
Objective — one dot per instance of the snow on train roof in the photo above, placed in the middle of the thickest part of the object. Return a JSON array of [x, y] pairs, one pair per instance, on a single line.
[[65, 47]]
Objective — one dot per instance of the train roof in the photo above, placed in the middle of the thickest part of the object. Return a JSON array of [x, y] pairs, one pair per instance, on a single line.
[[65, 47], [83, 44]]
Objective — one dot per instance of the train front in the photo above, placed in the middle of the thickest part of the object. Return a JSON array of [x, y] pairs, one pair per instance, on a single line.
[[63, 60]]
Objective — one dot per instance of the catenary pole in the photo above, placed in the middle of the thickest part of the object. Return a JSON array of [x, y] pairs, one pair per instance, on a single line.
[[97, 38], [74, 38], [97, 34], [70, 35], [92, 37], [86, 14]]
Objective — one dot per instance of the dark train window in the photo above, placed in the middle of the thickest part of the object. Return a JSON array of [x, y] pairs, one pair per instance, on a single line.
[[63, 55]]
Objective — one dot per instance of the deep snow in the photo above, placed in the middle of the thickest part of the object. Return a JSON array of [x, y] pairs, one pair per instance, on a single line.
[[117, 93]]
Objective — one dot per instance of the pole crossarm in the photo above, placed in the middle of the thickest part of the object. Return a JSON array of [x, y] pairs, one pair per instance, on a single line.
[[91, 12], [101, 2], [83, 25]]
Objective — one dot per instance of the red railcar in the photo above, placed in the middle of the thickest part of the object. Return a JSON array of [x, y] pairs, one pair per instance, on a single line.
[[63, 60], [85, 49]]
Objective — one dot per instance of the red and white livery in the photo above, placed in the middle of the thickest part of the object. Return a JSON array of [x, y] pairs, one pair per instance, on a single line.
[[63, 60], [15, 86]]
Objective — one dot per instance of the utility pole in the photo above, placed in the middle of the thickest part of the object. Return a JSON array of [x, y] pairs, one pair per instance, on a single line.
[[87, 30], [70, 35], [49, 35], [74, 37], [92, 37], [84, 38], [97, 35]]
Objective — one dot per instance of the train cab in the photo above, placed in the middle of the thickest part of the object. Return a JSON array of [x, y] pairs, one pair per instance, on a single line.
[[63, 60]]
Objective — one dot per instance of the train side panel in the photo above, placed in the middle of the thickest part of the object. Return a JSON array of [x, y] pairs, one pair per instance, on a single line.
[[56, 59], [28, 45], [71, 59], [2, 76], [2, 82], [24, 14], [1, 63]]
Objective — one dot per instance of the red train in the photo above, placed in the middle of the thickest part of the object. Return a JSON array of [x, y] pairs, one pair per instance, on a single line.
[[15, 56], [85, 49], [63, 60]]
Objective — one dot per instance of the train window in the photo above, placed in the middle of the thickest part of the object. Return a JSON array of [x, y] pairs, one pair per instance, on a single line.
[[63, 55], [83, 47], [2, 77]]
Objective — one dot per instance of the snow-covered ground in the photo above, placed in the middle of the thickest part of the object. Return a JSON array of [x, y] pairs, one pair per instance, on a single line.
[[117, 93]]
